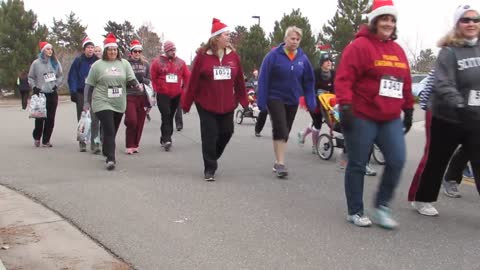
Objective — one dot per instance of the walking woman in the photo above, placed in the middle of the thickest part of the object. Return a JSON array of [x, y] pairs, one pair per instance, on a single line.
[[23, 88], [45, 76], [217, 86], [285, 75], [106, 84], [373, 86], [455, 108], [137, 102]]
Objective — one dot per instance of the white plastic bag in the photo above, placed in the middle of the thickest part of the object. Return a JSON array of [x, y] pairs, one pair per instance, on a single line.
[[152, 99], [83, 127], [37, 108]]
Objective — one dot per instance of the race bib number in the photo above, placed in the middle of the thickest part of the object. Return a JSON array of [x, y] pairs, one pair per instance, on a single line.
[[222, 73], [391, 87], [115, 92], [172, 78], [49, 77], [474, 98]]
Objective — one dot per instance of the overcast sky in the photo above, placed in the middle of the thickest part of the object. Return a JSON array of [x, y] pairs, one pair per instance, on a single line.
[[188, 22]]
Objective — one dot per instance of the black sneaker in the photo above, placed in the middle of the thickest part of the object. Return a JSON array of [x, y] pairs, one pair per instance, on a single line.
[[257, 134], [280, 170], [167, 146], [110, 165], [179, 127], [83, 146], [209, 177]]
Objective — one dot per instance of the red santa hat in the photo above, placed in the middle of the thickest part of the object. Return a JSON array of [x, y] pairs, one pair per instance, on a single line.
[[110, 41], [382, 7], [135, 44], [43, 45], [218, 27], [87, 41]]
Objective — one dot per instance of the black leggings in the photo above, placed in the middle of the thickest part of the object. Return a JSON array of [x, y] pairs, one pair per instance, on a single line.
[[110, 121], [281, 116], [317, 118], [44, 126]]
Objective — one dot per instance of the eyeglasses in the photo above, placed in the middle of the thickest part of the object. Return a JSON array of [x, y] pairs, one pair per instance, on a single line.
[[469, 19], [136, 51]]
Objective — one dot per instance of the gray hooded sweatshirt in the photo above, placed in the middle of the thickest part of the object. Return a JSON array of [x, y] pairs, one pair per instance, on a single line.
[[42, 75]]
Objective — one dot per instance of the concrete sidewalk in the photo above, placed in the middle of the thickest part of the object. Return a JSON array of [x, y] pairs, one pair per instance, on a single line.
[[34, 237]]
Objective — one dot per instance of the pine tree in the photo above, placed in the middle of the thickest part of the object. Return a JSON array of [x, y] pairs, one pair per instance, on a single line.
[[341, 29], [125, 33], [253, 49], [425, 61], [295, 18], [19, 37], [69, 34]]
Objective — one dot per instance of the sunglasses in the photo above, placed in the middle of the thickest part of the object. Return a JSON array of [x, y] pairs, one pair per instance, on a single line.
[[136, 51], [469, 19]]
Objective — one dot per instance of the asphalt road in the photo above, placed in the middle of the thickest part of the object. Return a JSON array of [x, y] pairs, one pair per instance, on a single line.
[[156, 212]]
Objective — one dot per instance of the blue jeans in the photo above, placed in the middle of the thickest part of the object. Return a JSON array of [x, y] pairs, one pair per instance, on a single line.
[[360, 139]]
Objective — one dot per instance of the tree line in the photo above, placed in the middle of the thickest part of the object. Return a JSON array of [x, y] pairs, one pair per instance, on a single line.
[[20, 32]]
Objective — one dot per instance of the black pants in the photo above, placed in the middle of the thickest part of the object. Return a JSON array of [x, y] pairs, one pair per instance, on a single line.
[[317, 118], [457, 164], [24, 97], [216, 131], [79, 105], [444, 139], [167, 107], [261, 119], [44, 126], [281, 116], [179, 118], [110, 122]]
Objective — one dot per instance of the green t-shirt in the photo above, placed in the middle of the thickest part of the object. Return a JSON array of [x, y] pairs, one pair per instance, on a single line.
[[109, 79]]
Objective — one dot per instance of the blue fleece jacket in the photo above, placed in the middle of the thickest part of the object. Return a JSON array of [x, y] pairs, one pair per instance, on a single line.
[[79, 72], [286, 80]]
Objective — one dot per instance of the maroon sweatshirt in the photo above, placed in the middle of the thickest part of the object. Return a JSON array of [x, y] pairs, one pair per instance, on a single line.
[[374, 77], [217, 85]]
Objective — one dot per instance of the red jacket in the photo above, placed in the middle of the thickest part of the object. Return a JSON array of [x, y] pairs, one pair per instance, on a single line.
[[169, 76], [365, 63], [216, 95]]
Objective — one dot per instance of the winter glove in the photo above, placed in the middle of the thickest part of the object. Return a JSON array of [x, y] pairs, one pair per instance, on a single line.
[[36, 90], [146, 81], [346, 117], [73, 97], [407, 120], [55, 88]]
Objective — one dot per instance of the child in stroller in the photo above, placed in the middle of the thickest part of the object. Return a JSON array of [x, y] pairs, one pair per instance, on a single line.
[[325, 143], [251, 111]]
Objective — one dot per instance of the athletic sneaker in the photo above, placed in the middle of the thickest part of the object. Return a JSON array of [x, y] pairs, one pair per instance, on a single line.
[[280, 170], [425, 209], [382, 216], [47, 145], [450, 188], [136, 151], [359, 220], [36, 143], [167, 146], [209, 177], [82, 146], [300, 138], [110, 165], [129, 151]]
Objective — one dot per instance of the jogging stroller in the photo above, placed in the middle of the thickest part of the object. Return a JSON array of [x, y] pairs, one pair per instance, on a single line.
[[327, 142], [251, 111]]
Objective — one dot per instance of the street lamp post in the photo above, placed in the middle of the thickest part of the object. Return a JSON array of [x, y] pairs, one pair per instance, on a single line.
[[256, 17]]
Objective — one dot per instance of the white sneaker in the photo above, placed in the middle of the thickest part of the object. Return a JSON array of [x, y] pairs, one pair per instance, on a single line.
[[360, 221], [425, 209]]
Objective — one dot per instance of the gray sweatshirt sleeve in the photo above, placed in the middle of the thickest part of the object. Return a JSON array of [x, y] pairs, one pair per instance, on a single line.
[[446, 79], [31, 75], [87, 94]]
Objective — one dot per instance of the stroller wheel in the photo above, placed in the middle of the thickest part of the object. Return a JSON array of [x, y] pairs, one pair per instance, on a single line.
[[324, 146], [378, 155], [239, 116]]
